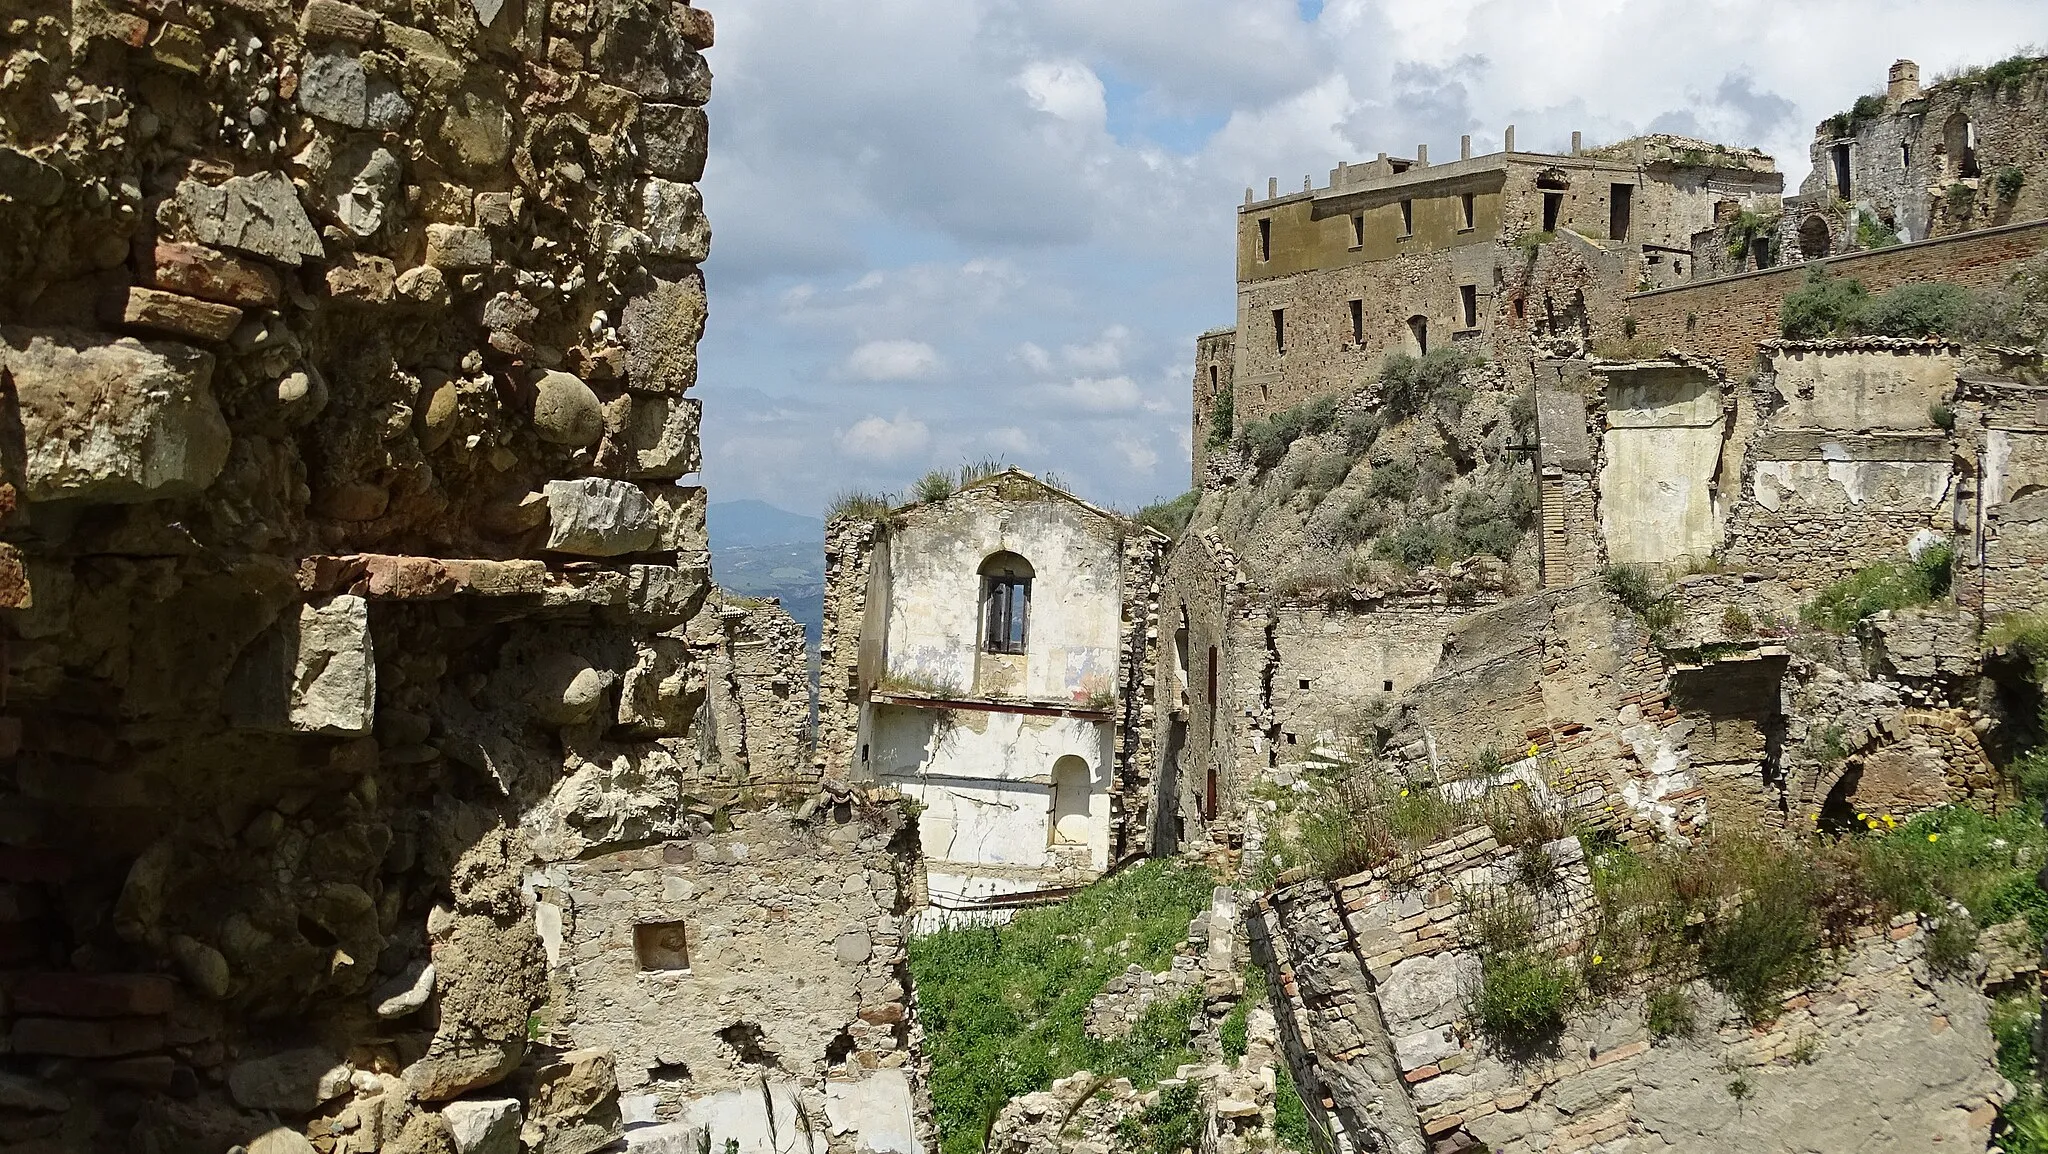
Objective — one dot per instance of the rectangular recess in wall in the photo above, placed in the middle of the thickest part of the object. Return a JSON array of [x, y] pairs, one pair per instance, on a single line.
[[1465, 211], [1357, 230], [1407, 218], [1357, 322], [1279, 330], [661, 945], [1265, 238], [1620, 206], [1468, 303]]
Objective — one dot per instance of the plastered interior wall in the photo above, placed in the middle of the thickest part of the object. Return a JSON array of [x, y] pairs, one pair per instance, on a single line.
[[1351, 661], [986, 780], [1660, 454]]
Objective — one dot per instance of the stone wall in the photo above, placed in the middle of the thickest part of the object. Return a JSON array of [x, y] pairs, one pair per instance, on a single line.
[[1726, 319], [1380, 973]]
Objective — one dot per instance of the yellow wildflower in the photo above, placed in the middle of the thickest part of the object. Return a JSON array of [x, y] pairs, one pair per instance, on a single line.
[[1933, 837], [1596, 959]]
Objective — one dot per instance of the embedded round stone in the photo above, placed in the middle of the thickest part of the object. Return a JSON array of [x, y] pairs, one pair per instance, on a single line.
[[565, 411]]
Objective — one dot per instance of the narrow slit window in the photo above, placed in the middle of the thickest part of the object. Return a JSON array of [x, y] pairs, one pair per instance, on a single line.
[[1465, 211], [1212, 677], [1620, 206], [1357, 322], [1279, 330], [1407, 218], [1209, 799], [1468, 302], [1266, 238], [1005, 603], [1213, 386], [1357, 230]]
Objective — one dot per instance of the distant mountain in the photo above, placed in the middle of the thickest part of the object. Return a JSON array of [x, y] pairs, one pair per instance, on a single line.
[[740, 523], [762, 551]]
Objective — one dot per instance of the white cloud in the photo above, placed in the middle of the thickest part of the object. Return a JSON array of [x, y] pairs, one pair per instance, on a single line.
[[895, 360], [885, 441], [1101, 355], [1136, 453], [1099, 394], [1013, 441], [1065, 89]]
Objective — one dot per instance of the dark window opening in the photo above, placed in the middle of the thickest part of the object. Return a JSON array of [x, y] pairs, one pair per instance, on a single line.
[[1838, 156], [1515, 307], [1358, 322], [1468, 300], [1304, 682], [1279, 330], [1213, 386], [1814, 238], [1418, 327], [1553, 203], [1212, 677], [1905, 156], [1465, 210], [1387, 686], [1005, 603], [1266, 239], [1357, 230], [1407, 218], [1209, 798], [1619, 205], [661, 946], [1290, 739]]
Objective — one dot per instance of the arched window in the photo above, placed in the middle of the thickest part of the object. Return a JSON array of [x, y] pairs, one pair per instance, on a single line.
[[1005, 602], [1070, 793], [1959, 140], [1418, 335], [1814, 238]]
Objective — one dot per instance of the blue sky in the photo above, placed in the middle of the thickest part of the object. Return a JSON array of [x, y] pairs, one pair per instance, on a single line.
[[953, 229]]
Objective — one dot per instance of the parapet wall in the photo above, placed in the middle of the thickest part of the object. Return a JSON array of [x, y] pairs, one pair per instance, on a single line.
[[1729, 317]]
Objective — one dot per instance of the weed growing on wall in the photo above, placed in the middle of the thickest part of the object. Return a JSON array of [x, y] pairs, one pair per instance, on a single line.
[[1885, 585], [2022, 1126], [1171, 1125], [1222, 417], [1170, 517], [1825, 306], [1002, 1007], [859, 505], [1291, 1124], [1637, 591]]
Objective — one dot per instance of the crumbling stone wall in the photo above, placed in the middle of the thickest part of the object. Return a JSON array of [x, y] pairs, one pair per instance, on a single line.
[[1901, 1058], [344, 360]]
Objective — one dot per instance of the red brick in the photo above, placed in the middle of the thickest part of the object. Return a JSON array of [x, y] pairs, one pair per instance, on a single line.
[[1421, 1072], [100, 1038], [181, 316], [406, 578], [211, 275], [1443, 1125], [93, 995]]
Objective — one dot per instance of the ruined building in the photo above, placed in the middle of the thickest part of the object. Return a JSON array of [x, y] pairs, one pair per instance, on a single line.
[[379, 768], [987, 654]]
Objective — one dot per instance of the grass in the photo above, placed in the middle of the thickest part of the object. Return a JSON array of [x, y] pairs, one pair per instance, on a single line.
[[916, 685], [1669, 1013], [1170, 1125], [1633, 586], [859, 505], [1291, 1127], [2022, 1126], [1170, 517], [1234, 1031], [1002, 1007], [1522, 997], [1883, 586]]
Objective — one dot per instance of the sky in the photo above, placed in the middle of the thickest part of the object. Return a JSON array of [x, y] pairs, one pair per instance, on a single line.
[[950, 230]]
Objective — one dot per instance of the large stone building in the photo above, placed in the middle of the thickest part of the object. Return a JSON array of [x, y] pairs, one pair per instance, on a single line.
[[987, 655], [1399, 255]]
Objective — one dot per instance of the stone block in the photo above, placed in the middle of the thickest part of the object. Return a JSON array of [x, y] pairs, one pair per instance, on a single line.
[[640, 46], [334, 681], [198, 271], [672, 217], [458, 248], [662, 690], [179, 48], [86, 1038], [27, 1094], [696, 26], [334, 86], [453, 1068], [672, 140], [154, 310], [291, 1082], [113, 421], [651, 436], [334, 20], [600, 517], [484, 1127], [260, 215], [498, 578], [672, 1137], [660, 325], [71, 995], [28, 180], [574, 1107]]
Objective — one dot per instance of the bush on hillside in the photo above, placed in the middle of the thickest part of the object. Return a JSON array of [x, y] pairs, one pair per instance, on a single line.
[[1825, 306]]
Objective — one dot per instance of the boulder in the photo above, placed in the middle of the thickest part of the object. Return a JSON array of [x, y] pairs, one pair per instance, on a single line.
[[672, 141], [484, 1127], [113, 421], [672, 217], [282, 1140], [565, 411], [574, 1108], [452, 1068], [291, 1082], [567, 690]]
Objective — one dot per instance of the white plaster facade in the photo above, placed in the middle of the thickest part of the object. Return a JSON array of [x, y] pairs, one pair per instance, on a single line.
[[1013, 755]]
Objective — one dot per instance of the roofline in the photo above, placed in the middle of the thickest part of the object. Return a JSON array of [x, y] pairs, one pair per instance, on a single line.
[[1488, 162]]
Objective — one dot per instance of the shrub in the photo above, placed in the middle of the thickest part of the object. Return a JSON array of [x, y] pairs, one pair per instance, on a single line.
[[1170, 517], [1769, 944], [1920, 309], [1222, 417], [1669, 1013], [1872, 232], [1631, 585], [1360, 518], [1825, 306], [1951, 946], [1269, 439], [1393, 481], [1522, 997], [1416, 543], [2009, 181], [1882, 586], [1324, 472], [1409, 384], [859, 505], [1745, 231], [1736, 622], [1961, 200], [1172, 1124], [1941, 416], [1494, 523]]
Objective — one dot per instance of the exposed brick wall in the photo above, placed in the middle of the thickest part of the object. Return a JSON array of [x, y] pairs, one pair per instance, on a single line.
[[1726, 318]]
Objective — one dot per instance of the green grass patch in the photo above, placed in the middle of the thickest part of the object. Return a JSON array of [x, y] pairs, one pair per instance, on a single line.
[[1170, 517], [2022, 1126], [1002, 1006], [1523, 996], [1171, 1125], [1291, 1127], [1885, 585]]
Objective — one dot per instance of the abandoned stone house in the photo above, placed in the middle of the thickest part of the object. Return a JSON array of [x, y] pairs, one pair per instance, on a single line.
[[988, 654]]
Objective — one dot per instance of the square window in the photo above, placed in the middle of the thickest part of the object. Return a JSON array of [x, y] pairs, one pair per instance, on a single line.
[[1304, 683], [1290, 739], [662, 945], [1387, 686]]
